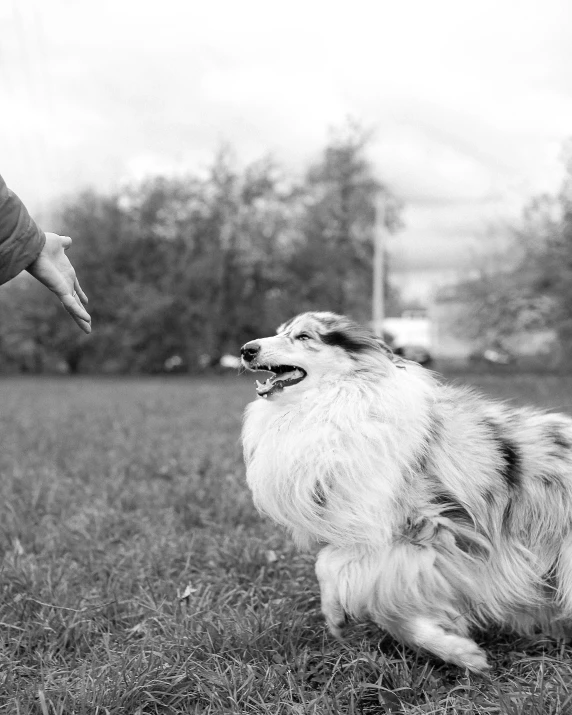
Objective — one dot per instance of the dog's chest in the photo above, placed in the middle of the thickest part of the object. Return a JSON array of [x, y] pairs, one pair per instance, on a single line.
[[322, 478], [286, 451], [283, 445]]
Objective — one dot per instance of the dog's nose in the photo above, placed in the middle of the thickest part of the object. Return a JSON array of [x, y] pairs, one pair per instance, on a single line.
[[250, 350]]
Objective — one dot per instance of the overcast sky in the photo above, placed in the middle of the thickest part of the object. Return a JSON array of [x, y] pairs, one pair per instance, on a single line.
[[470, 101]]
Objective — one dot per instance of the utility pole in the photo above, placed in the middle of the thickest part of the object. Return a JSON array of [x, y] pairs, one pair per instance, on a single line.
[[378, 307]]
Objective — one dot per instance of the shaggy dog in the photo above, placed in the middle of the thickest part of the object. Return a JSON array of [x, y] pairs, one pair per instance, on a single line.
[[439, 510]]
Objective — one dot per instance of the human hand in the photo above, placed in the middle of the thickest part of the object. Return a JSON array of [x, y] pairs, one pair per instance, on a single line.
[[53, 268]]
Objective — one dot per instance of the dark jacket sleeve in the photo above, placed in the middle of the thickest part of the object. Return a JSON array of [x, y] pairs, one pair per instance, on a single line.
[[20, 239]]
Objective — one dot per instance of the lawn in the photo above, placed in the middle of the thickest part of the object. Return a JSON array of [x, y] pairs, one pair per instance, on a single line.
[[138, 578]]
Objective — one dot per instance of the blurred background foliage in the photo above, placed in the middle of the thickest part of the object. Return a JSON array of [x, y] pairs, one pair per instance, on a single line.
[[183, 270], [180, 271], [526, 287]]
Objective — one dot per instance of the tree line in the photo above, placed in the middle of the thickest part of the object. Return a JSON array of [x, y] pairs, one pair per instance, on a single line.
[[182, 270], [527, 287]]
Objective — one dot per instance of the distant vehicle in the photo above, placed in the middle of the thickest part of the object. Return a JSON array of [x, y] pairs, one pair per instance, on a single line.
[[410, 336], [493, 356], [498, 356], [232, 362], [174, 363]]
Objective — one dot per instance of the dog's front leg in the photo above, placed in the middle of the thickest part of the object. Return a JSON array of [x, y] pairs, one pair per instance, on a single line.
[[328, 571], [423, 632]]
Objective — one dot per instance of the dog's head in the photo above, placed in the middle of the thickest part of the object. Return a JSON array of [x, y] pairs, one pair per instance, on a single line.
[[311, 349]]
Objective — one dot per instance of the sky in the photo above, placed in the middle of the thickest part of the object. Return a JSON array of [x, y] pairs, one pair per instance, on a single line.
[[469, 102]]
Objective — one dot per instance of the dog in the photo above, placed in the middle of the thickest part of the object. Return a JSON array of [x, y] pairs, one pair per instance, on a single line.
[[438, 510]]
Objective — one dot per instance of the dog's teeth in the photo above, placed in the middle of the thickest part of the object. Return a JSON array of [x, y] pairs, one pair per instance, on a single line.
[[258, 384]]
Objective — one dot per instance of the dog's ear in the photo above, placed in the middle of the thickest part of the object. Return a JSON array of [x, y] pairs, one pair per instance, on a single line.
[[284, 326], [354, 338], [396, 359], [385, 347], [288, 323]]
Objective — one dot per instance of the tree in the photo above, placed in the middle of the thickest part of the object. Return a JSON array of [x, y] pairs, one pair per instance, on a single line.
[[554, 260], [532, 289], [180, 266], [332, 261], [192, 267]]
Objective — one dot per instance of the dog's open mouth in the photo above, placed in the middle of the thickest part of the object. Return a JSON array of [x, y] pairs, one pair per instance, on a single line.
[[282, 376]]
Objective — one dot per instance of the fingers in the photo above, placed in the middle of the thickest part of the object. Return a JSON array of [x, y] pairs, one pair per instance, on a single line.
[[66, 242], [74, 307], [79, 291], [86, 327], [54, 242]]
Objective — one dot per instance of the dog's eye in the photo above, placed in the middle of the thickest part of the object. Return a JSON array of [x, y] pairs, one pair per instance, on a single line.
[[303, 336]]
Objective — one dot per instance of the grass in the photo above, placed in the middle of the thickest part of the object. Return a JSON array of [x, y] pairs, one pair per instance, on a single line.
[[138, 578]]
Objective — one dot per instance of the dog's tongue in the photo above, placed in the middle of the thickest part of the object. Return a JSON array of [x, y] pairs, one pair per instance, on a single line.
[[275, 383]]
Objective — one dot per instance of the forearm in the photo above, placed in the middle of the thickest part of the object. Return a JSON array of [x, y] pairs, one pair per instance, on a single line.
[[21, 241]]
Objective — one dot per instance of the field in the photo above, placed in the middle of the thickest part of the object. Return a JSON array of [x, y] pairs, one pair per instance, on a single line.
[[138, 578]]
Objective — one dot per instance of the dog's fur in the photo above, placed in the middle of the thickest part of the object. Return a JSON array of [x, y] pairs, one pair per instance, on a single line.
[[440, 510]]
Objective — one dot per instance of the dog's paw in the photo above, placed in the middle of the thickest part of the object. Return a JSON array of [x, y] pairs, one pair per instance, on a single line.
[[450, 647], [336, 628], [468, 655]]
